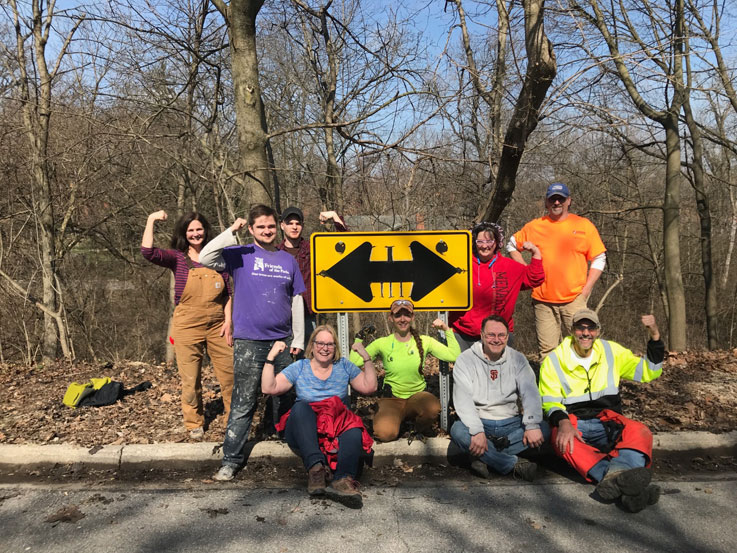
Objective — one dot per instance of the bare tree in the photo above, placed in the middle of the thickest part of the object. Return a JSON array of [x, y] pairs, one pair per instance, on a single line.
[[619, 33], [33, 90]]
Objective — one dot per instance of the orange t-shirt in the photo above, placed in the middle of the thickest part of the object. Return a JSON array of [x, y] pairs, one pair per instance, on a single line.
[[567, 247]]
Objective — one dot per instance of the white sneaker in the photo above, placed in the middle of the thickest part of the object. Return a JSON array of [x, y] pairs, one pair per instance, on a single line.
[[225, 474]]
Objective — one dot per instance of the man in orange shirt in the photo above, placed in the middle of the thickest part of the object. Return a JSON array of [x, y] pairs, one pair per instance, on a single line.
[[568, 244]]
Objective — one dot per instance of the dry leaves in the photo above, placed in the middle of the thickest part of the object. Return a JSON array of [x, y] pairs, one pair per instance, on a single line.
[[697, 391]]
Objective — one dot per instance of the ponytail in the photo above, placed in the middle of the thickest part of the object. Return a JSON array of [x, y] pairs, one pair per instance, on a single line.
[[418, 343]]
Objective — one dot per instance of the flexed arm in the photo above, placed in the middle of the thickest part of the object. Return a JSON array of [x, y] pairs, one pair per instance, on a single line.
[[148, 233], [270, 384], [211, 255]]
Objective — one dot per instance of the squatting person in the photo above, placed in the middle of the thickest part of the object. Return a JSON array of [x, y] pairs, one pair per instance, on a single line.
[[488, 380], [403, 354]]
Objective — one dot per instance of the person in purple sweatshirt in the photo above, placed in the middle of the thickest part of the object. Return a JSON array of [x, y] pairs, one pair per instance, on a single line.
[[267, 307], [201, 318]]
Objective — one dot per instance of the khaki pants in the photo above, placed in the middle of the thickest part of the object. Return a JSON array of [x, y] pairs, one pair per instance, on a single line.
[[196, 326], [553, 322], [423, 407]]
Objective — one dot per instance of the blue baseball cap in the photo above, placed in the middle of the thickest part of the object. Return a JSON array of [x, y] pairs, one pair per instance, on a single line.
[[557, 189]]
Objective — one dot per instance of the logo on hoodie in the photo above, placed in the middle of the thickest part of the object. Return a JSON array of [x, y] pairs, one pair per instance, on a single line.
[[494, 374]]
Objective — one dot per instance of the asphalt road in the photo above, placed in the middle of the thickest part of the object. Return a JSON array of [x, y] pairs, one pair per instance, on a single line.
[[422, 510]]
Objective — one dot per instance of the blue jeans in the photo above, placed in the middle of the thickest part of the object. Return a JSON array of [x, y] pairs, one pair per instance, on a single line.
[[501, 461], [593, 433], [301, 436], [248, 362]]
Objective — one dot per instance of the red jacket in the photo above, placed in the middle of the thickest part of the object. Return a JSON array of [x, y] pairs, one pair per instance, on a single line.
[[333, 418], [496, 285]]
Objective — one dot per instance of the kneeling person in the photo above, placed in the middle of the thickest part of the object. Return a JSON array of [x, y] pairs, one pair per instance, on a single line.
[[487, 380], [579, 385]]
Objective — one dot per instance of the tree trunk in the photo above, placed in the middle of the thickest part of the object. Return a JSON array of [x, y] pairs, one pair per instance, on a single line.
[[36, 105], [702, 206], [671, 238], [240, 17], [541, 70]]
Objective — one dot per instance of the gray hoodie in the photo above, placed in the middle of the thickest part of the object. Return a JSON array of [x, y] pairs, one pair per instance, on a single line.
[[484, 389]]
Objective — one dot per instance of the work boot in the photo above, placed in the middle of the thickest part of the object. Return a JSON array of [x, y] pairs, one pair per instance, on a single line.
[[624, 482], [225, 474], [197, 434], [524, 469], [345, 490], [636, 503], [316, 479], [479, 468]]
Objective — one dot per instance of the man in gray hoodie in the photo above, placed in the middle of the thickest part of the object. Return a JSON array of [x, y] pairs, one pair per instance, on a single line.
[[488, 378]]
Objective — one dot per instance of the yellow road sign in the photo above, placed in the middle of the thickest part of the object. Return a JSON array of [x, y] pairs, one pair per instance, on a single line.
[[367, 271]]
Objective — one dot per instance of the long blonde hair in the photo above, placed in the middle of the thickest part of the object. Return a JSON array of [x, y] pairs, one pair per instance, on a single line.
[[309, 351]]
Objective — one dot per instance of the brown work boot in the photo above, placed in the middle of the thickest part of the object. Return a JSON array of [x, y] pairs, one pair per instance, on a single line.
[[345, 490], [316, 479], [524, 469], [636, 503]]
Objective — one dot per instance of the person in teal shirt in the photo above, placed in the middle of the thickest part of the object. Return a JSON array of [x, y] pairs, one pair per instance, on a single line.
[[403, 356]]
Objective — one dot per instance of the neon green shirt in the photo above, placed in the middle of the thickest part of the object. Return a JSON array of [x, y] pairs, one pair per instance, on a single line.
[[401, 360]]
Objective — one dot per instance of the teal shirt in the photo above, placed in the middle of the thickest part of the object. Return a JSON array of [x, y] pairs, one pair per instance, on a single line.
[[401, 360]]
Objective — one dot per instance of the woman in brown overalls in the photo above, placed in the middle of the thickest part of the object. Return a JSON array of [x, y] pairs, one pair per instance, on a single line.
[[202, 317]]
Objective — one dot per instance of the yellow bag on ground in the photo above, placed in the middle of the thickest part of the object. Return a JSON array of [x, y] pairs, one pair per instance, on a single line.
[[77, 391]]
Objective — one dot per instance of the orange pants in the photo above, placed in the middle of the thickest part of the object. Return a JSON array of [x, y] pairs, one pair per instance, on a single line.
[[423, 407], [196, 326]]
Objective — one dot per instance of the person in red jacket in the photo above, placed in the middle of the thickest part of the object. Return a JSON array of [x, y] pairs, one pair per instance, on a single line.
[[497, 281]]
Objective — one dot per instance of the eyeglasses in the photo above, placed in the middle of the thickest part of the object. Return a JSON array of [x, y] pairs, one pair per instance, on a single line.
[[492, 336], [324, 345], [485, 242], [402, 302]]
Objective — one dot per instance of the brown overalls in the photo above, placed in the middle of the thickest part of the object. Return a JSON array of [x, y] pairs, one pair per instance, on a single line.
[[197, 321]]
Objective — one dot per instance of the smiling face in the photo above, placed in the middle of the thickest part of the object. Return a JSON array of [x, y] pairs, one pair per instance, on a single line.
[[557, 207], [585, 332], [485, 246], [494, 338], [402, 321], [263, 230], [195, 235], [292, 228], [323, 347]]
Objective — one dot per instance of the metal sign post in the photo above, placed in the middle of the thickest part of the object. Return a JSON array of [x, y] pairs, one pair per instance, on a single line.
[[444, 377], [343, 339], [343, 336]]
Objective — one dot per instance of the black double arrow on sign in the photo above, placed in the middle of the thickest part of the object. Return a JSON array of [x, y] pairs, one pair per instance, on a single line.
[[356, 272]]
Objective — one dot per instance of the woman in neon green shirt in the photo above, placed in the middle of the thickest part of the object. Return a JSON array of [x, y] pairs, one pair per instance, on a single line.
[[403, 355]]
